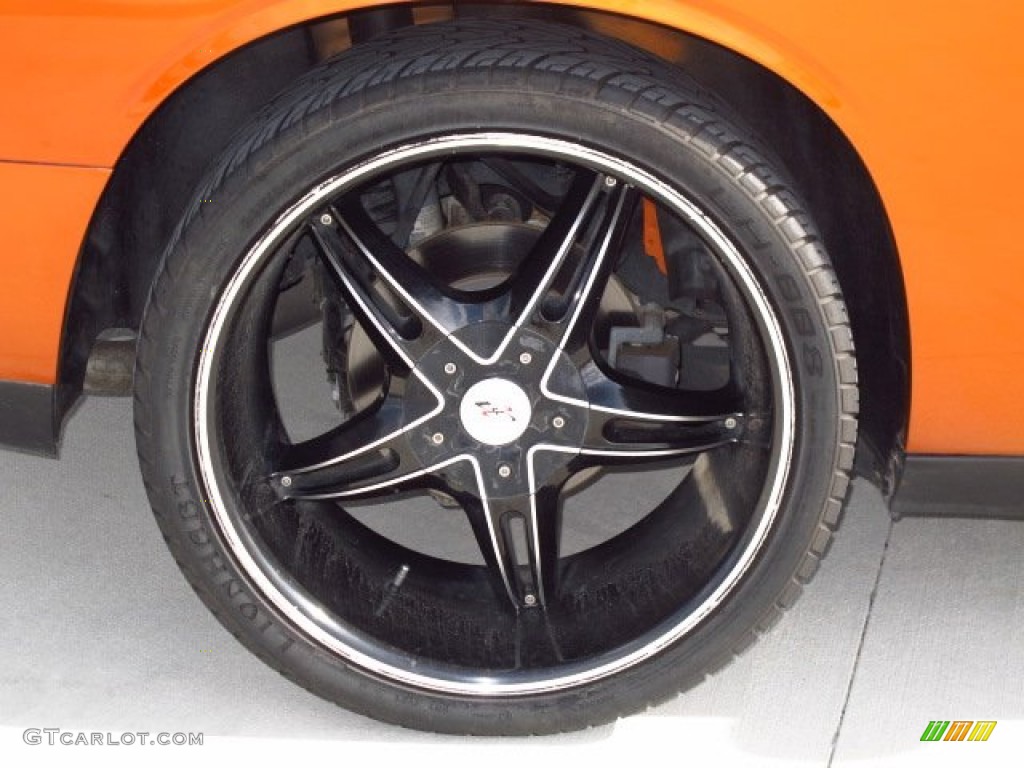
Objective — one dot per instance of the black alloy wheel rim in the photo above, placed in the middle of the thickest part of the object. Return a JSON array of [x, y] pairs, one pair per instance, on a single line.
[[494, 399]]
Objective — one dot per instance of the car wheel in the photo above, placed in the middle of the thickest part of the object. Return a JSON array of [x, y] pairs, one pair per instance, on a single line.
[[568, 417]]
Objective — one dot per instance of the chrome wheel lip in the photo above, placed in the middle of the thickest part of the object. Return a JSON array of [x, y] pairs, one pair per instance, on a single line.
[[310, 618]]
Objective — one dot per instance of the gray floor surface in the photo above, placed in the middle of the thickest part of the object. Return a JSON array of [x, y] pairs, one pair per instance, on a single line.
[[906, 623]]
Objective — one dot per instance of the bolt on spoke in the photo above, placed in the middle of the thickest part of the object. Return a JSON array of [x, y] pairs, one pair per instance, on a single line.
[[541, 268], [569, 314], [519, 536], [368, 453], [392, 333], [434, 304]]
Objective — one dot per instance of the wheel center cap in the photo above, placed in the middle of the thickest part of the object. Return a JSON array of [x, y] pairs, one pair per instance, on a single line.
[[495, 411]]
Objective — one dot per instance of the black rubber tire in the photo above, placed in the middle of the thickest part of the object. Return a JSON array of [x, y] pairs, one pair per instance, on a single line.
[[528, 77]]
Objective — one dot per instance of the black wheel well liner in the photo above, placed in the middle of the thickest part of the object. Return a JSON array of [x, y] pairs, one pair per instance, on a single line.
[[156, 174]]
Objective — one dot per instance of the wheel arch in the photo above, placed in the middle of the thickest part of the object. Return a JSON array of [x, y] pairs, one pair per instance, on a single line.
[[783, 96]]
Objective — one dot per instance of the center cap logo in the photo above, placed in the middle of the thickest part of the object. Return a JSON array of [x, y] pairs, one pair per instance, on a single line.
[[495, 411]]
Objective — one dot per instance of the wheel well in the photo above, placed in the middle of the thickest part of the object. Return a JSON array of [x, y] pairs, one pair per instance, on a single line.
[[155, 177], [856, 230]]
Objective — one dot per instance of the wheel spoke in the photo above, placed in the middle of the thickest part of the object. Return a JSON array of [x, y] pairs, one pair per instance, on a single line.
[[542, 266], [567, 318], [596, 232], [634, 421], [394, 334], [491, 532], [519, 539], [544, 533], [368, 455], [413, 311]]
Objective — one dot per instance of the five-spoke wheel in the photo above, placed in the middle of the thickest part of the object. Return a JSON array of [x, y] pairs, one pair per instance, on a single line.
[[495, 398]]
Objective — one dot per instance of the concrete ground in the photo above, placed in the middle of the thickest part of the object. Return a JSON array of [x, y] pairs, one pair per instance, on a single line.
[[906, 623]]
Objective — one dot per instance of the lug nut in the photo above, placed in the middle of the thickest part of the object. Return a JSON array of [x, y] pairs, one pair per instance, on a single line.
[[326, 220], [530, 599], [730, 423], [504, 470], [437, 438], [449, 368], [558, 422], [286, 482], [526, 358]]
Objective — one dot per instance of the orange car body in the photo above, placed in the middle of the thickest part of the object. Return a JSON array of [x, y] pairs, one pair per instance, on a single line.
[[929, 95]]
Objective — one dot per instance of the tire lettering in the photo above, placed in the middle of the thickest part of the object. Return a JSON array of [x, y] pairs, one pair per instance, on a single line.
[[217, 565], [188, 510], [199, 537], [813, 362], [804, 324], [179, 486], [722, 201], [788, 288], [803, 321], [759, 242]]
